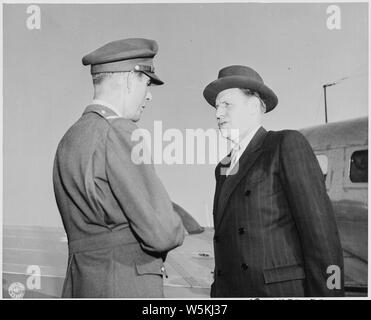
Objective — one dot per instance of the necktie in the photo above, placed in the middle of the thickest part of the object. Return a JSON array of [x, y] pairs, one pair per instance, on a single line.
[[234, 157]]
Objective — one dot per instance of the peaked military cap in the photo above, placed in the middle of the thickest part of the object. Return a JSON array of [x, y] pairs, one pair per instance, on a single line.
[[125, 55]]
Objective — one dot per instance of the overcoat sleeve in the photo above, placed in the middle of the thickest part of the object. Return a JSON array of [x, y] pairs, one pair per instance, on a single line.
[[312, 211], [140, 193]]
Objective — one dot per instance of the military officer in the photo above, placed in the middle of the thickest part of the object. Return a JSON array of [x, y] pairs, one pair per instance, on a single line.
[[117, 215]]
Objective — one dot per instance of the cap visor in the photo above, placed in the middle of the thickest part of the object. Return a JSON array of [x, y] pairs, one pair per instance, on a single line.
[[154, 79]]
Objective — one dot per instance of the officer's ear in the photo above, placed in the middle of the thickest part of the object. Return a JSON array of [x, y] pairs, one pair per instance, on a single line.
[[130, 81]]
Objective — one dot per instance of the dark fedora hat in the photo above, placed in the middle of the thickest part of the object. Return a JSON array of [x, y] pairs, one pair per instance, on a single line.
[[240, 77]]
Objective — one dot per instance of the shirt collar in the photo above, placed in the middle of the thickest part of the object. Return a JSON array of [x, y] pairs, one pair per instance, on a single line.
[[103, 103], [101, 107], [242, 145]]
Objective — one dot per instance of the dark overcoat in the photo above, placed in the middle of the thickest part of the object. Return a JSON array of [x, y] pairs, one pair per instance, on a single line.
[[275, 231], [117, 215]]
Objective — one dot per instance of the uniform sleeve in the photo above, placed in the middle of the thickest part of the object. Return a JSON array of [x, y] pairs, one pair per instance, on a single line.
[[313, 214], [140, 194]]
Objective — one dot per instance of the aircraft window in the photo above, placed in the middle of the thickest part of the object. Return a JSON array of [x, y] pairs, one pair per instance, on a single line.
[[323, 163], [359, 166]]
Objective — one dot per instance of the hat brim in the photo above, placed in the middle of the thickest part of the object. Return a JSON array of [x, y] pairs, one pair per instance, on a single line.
[[155, 80], [266, 94]]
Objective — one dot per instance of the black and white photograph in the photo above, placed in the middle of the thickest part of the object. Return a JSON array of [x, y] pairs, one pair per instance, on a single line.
[[198, 150]]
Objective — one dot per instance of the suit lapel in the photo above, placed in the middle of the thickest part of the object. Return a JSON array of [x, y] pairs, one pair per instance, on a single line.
[[246, 161]]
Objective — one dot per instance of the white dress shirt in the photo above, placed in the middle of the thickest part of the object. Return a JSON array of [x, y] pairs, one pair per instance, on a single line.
[[239, 148]]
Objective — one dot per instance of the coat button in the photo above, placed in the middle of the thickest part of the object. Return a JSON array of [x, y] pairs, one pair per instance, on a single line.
[[241, 230], [216, 239], [218, 273], [244, 266], [247, 192], [163, 271]]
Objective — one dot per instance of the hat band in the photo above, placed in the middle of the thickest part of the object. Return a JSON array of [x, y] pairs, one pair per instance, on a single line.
[[140, 67], [124, 66]]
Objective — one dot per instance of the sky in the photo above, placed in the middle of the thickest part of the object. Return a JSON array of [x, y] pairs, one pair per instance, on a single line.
[[46, 87]]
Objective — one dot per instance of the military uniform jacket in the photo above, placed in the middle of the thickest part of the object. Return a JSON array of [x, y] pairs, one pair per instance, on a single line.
[[117, 215], [275, 231]]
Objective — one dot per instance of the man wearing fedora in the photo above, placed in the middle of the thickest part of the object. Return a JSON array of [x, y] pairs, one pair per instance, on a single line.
[[117, 215], [275, 231]]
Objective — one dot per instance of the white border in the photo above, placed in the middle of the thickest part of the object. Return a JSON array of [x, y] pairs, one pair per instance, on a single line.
[[1, 153], [153, 2]]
